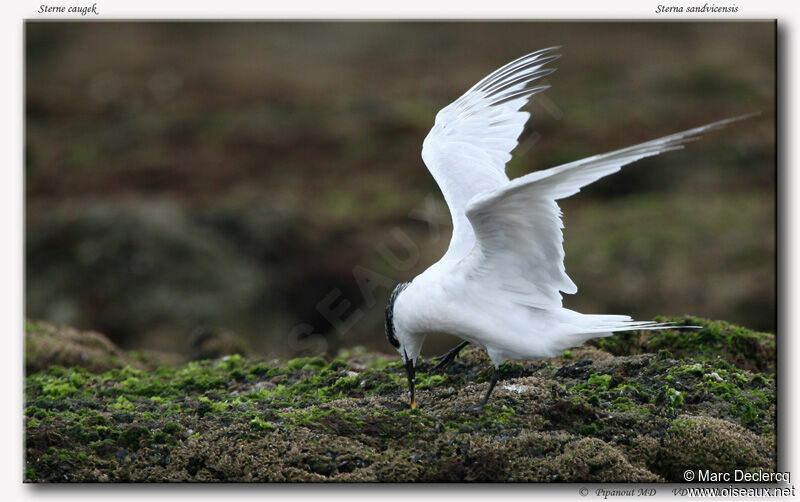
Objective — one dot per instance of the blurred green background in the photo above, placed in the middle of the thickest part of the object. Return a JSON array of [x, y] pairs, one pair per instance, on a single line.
[[191, 180]]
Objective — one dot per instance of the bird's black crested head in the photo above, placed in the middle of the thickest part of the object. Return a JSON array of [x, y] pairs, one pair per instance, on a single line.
[[390, 314]]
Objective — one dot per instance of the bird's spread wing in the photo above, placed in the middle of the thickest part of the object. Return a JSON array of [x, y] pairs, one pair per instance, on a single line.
[[519, 245], [472, 138]]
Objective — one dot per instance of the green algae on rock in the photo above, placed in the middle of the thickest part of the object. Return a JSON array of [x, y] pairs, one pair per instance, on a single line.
[[593, 415], [747, 349]]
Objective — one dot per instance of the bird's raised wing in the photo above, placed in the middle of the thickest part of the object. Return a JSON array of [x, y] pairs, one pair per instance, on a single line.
[[472, 138], [519, 244]]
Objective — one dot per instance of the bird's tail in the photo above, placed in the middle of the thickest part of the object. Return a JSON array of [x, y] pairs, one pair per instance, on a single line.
[[601, 323], [596, 326]]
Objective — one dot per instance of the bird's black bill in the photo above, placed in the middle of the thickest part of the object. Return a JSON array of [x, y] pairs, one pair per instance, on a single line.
[[410, 372]]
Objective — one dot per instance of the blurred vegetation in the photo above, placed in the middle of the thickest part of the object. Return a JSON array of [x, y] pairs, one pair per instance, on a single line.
[[183, 177]]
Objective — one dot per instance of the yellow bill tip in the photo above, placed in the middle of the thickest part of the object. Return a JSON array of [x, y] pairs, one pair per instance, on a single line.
[[414, 404]]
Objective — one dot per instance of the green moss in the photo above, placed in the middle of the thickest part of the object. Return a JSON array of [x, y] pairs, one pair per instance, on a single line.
[[709, 443], [197, 377], [490, 418], [746, 349], [594, 383], [306, 363], [749, 405], [162, 421], [171, 428], [261, 424], [337, 364], [328, 419], [58, 390], [599, 381], [122, 404], [674, 397], [427, 381], [745, 394], [134, 436], [626, 405], [629, 386], [265, 370], [502, 415], [342, 384], [35, 411], [591, 429], [693, 369]]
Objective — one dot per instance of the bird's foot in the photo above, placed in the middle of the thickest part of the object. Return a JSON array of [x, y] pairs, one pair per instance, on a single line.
[[445, 360], [474, 407]]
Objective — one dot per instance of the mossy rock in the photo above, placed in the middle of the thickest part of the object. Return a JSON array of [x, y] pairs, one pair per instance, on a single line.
[[587, 416], [48, 345], [696, 442], [744, 348]]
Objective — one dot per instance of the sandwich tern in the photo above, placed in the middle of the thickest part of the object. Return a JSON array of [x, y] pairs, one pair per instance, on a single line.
[[499, 283]]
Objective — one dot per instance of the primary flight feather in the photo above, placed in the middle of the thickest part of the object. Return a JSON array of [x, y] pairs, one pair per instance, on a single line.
[[500, 281]]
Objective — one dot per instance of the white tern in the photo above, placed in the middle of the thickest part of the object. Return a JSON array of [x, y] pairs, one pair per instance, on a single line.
[[499, 284]]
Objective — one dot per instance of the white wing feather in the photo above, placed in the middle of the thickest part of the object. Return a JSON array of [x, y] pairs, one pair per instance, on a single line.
[[472, 138], [519, 248]]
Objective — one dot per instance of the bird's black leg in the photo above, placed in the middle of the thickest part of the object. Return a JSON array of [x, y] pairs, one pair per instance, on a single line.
[[447, 359], [492, 383]]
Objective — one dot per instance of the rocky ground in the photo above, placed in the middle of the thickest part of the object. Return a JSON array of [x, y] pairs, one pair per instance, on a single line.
[[636, 407]]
